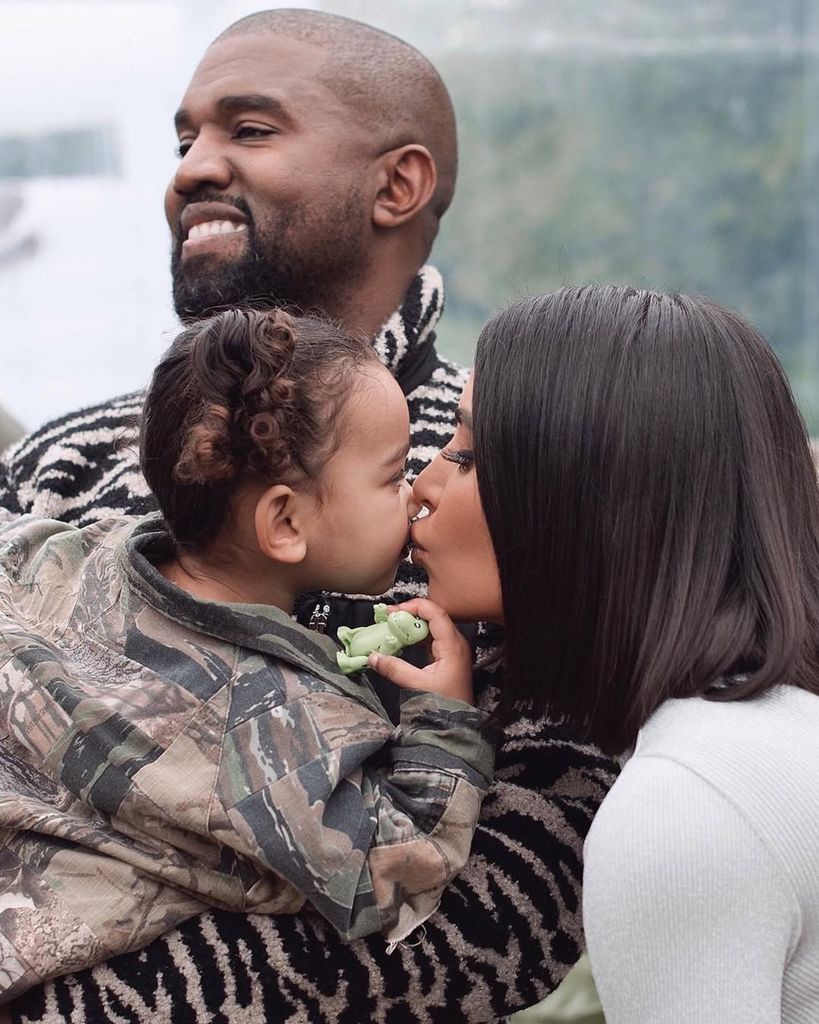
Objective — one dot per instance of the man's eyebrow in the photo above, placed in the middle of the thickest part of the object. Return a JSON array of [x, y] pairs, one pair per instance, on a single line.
[[463, 417], [254, 102]]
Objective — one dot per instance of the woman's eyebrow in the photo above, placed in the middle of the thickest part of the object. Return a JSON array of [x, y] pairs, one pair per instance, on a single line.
[[463, 417]]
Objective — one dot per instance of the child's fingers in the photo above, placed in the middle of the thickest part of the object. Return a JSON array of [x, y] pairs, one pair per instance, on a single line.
[[399, 672], [455, 682], [421, 606], [441, 626], [445, 640]]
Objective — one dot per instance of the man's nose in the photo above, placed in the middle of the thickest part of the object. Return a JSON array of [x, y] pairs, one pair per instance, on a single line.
[[204, 163]]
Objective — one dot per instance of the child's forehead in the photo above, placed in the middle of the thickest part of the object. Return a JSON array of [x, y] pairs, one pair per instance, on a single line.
[[376, 391], [376, 414]]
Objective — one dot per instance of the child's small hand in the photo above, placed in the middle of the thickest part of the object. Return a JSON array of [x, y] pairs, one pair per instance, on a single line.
[[449, 674]]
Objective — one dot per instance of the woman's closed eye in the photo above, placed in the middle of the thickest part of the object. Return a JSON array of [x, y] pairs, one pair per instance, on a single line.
[[463, 458]]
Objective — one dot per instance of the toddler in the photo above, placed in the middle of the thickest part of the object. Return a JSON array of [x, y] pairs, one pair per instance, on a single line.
[[171, 739]]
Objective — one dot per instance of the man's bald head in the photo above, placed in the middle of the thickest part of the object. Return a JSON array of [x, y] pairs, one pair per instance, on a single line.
[[391, 86]]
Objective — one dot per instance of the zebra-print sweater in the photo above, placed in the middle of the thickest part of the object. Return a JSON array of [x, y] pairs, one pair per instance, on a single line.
[[507, 929]]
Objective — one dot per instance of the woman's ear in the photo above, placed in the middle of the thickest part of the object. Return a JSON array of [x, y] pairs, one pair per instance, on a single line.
[[407, 183], [278, 521]]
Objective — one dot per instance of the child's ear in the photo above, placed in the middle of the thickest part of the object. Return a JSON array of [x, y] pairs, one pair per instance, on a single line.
[[279, 531]]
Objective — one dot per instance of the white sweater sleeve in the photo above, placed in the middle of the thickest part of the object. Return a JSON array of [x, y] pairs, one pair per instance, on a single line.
[[688, 916]]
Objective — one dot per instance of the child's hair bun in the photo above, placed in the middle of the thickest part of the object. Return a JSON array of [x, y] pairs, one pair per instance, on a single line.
[[240, 363], [244, 395]]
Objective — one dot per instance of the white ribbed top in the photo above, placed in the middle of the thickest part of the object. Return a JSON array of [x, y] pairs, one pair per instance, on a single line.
[[701, 884]]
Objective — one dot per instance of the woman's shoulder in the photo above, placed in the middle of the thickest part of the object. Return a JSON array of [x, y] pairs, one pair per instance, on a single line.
[[677, 884], [667, 840], [711, 779], [731, 742]]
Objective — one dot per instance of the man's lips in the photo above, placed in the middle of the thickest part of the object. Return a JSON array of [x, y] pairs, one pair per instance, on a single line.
[[208, 222]]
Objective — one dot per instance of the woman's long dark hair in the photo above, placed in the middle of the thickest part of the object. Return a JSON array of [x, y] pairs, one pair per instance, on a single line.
[[650, 494]]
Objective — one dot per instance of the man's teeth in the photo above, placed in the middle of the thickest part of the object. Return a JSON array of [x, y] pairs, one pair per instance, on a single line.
[[214, 227]]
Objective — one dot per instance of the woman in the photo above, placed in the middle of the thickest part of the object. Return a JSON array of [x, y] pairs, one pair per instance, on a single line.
[[630, 490]]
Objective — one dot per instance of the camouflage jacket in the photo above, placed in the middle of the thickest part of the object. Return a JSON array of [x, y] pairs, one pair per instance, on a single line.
[[161, 754]]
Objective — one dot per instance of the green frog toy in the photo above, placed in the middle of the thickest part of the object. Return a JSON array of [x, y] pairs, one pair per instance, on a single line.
[[392, 632]]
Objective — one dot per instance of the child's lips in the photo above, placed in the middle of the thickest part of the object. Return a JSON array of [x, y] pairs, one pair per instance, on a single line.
[[415, 548], [416, 555]]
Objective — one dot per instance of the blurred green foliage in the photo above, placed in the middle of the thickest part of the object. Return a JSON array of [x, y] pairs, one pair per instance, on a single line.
[[690, 172]]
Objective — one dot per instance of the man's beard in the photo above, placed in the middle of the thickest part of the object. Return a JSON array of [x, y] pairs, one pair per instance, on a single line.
[[292, 261]]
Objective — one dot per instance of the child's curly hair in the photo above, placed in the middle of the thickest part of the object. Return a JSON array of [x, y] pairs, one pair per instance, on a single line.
[[243, 395]]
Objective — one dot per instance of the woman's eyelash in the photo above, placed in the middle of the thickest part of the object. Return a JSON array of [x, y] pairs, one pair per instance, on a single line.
[[462, 457]]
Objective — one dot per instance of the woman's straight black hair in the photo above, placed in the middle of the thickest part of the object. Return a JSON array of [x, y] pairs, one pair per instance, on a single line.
[[653, 505]]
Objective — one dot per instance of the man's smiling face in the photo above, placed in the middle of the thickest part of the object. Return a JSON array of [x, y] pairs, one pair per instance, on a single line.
[[271, 202]]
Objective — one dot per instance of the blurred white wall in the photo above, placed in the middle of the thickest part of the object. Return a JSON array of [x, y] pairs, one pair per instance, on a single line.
[[84, 316]]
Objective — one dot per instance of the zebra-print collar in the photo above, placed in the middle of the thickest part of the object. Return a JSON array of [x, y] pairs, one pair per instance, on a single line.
[[407, 337]]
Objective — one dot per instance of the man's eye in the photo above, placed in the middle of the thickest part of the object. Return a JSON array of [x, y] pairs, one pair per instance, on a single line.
[[182, 147], [253, 131], [463, 458]]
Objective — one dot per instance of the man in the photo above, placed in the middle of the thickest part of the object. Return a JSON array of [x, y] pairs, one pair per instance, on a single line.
[[317, 157]]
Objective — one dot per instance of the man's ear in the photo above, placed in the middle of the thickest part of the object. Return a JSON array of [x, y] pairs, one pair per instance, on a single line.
[[278, 521], [407, 182]]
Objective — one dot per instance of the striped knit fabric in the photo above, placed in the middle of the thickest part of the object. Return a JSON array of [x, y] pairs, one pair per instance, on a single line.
[[507, 929]]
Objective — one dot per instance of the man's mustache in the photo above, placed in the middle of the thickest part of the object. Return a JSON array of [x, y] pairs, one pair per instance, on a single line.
[[209, 196]]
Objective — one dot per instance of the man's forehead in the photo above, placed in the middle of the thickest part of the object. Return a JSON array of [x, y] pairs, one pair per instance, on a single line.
[[264, 62]]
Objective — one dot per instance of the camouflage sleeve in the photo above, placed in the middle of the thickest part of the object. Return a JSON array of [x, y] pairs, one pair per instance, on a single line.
[[369, 823], [508, 927], [22, 536], [8, 491]]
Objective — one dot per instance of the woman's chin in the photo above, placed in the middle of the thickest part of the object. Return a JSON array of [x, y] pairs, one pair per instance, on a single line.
[[446, 593], [453, 605], [445, 599]]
